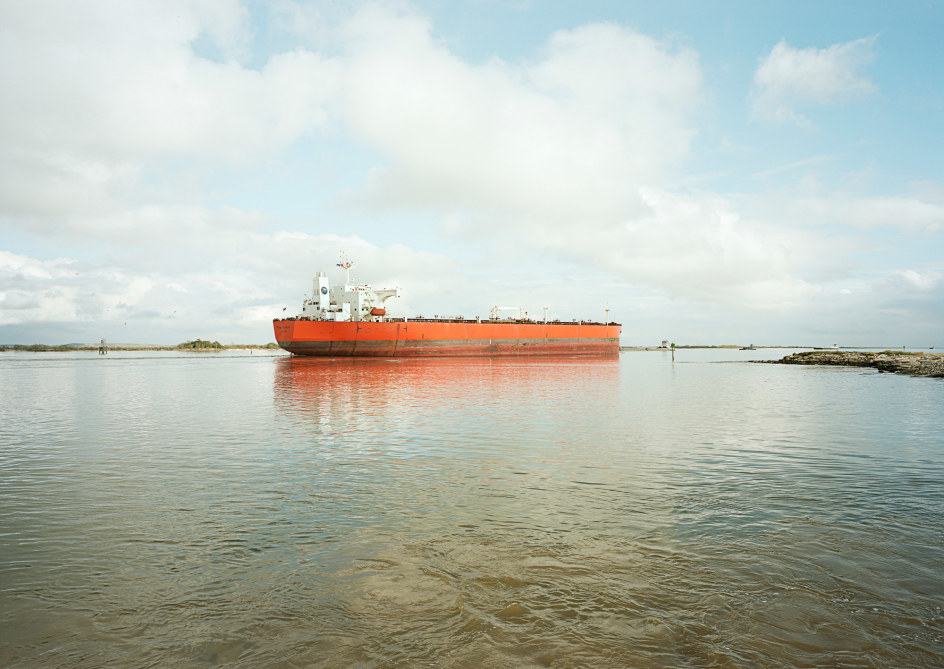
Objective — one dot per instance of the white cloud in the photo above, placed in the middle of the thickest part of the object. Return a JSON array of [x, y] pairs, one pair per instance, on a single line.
[[701, 248], [95, 90], [145, 296], [892, 308], [565, 153], [564, 137], [860, 212], [66, 290], [922, 281], [790, 77]]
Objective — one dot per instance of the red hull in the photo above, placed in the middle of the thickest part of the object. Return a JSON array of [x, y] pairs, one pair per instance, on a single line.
[[444, 338]]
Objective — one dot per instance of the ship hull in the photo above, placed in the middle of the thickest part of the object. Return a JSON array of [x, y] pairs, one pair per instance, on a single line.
[[444, 338]]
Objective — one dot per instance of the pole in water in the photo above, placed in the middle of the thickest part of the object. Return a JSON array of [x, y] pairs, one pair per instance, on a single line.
[[673, 351], [101, 348]]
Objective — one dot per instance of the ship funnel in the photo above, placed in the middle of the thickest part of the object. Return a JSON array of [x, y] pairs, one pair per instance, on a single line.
[[322, 291]]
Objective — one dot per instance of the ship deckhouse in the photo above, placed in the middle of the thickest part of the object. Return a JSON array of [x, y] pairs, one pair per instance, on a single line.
[[350, 302]]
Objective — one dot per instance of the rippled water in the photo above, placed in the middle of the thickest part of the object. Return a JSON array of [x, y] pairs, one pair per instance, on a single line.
[[194, 510]]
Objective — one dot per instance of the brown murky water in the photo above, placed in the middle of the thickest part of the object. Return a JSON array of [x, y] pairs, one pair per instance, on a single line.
[[161, 510]]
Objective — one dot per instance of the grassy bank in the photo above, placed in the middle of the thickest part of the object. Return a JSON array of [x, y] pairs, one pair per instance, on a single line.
[[186, 346]]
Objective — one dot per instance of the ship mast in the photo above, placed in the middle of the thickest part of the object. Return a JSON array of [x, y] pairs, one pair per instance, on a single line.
[[346, 264]]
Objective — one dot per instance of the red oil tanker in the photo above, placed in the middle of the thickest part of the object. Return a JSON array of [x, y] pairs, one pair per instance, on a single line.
[[351, 321]]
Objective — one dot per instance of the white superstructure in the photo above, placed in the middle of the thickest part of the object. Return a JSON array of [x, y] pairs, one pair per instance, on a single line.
[[351, 302]]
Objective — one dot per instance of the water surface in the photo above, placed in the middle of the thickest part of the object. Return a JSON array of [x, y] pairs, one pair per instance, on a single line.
[[165, 509]]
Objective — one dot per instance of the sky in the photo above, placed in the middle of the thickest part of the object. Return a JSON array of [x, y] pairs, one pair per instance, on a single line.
[[702, 172]]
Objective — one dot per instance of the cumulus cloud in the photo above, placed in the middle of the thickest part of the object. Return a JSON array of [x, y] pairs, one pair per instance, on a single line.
[[894, 307], [563, 137], [923, 280], [906, 213], [849, 211], [95, 91], [566, 153], [789, 78], [62, 290], [118, 81], [700, 247], [146, 297]]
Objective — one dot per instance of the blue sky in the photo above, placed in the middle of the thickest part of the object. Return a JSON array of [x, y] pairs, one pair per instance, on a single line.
[[710, 172]]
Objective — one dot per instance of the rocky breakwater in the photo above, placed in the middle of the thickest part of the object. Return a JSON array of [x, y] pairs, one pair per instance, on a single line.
[[916, 364]]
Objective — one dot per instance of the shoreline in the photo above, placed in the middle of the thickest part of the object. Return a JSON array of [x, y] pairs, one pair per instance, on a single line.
[[897, 362], [93, 348]]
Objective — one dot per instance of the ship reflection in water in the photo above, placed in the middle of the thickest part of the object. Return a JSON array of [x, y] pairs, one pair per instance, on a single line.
[[479, 397], [535, 513], [181, 510]]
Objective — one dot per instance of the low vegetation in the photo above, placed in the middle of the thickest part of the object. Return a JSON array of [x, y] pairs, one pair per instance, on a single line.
[[43, 347], [195, 345], [200, 343]]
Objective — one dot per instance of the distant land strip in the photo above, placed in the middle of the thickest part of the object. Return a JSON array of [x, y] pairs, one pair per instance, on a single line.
[[198, 345], [679, 347], [898, 362]]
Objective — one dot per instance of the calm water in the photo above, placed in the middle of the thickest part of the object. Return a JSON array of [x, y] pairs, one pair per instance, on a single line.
[[195, 510]]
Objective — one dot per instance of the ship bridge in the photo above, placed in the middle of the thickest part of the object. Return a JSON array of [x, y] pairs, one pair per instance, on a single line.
[[350, 302]]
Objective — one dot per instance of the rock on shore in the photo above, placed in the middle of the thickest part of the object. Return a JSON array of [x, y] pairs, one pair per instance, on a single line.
[[916, 364]]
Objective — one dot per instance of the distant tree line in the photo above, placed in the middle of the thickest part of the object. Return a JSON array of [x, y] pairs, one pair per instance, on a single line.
[[39, 347], [200, 343], [187, 345]]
